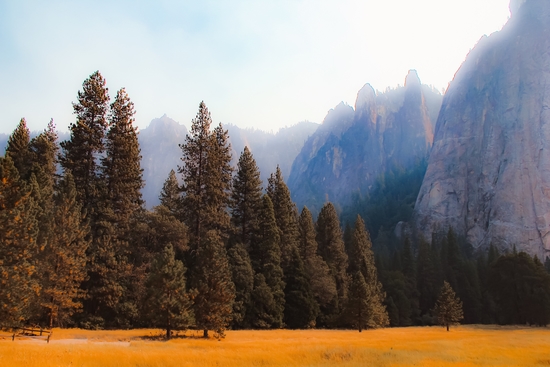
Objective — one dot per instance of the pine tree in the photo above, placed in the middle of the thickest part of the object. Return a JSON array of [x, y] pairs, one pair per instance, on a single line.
[[18, 150], [121, 166], [448, 307], [285, 215], [363, 262], [264, 312], [427, 278], [170, 196], [80, 153], [358, 304], [18, 247], [266, 260], [215, 289], [331, 249], [167, 303], [321, 282], [243, 278], [300, 307], [65, 256], [206, 174], [246, 199]]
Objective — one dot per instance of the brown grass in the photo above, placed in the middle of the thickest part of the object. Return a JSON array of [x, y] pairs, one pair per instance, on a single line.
[[415, 346]]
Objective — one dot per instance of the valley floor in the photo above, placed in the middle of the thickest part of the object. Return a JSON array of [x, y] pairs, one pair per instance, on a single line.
[[414, 346]]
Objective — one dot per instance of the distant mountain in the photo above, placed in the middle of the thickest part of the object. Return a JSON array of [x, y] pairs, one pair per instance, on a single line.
[[160, 150], [271, 149], [160, 153], [354, 147], [3, 143], [488, 175]]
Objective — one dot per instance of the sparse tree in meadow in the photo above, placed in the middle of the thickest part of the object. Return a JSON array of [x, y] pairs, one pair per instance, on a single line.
[[358, 306], [448, 307]]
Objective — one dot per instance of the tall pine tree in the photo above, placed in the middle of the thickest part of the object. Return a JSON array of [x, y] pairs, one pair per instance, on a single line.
[[18, 246]]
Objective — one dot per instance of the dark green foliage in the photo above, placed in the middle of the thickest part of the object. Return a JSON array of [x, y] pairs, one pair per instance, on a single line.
[[206, 174], [18, 246], [243, 278], [363, 262], [265, 254], [331, 249], [321, 282], [170, 196], [80, 153], [18, 150], [520, 287], [391, 200], [64, 258], [246, 199], [167, 303], [448, 308], [285, 215], [358, 304], [121, 170], [428, 281], [300, 307], [265, 312], [215, 290]]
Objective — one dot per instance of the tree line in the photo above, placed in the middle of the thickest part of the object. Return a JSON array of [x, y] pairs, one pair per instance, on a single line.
[[78, 247]]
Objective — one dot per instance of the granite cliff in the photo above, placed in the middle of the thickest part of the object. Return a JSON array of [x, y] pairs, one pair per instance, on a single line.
[[355, 146], [488, 175]]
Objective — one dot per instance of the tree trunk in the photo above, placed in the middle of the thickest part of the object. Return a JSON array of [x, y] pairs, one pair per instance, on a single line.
[[447, 327], [205, 333]]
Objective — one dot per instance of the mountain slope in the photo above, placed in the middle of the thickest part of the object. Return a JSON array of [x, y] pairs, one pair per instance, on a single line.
[[488, 175], [354, 147]]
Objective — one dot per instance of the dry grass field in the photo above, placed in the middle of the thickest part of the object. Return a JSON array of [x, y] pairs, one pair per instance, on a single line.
[[415, 346]]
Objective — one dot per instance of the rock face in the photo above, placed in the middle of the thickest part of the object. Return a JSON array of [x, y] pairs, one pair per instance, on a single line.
[[489, 170], [353, 147]]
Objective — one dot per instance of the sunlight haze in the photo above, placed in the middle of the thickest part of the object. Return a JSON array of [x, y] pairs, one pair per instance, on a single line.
[[261, 64]]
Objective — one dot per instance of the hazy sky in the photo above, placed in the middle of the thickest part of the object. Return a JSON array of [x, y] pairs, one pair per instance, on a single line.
[[255, 63]]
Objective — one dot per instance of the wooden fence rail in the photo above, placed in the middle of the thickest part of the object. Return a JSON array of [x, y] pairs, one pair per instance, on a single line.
[[32, 332]]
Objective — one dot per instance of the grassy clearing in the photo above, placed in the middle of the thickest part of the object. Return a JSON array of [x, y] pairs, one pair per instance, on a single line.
[[426, 346]]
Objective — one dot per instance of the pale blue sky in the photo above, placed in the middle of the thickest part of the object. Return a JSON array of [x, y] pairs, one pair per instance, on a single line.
[[255, 63]]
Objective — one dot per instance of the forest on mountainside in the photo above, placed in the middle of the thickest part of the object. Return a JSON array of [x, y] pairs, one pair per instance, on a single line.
[[78, 247]]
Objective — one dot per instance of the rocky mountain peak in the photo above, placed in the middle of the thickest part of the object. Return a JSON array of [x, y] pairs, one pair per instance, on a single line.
[[412, 80]]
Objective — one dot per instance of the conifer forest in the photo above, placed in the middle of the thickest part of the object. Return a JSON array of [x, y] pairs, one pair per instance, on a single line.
[[78, 248]]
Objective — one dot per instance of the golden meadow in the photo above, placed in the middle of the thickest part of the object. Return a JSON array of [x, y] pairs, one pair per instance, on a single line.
[[413, 346]]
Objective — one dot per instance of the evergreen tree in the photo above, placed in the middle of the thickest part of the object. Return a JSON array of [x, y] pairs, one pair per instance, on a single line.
[[265, 311], [427, 279], [80, 153], [358, 304], [300, 307], [363, 262], [65, 256], [121, 166], [448, 308], [215, 289], [285, 215], [18, 246], [170, 196], [18, 150], [266, 260], [167, 304], [322, 284], [243, 278], [331, 249], [246, 199], [206, 173]]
